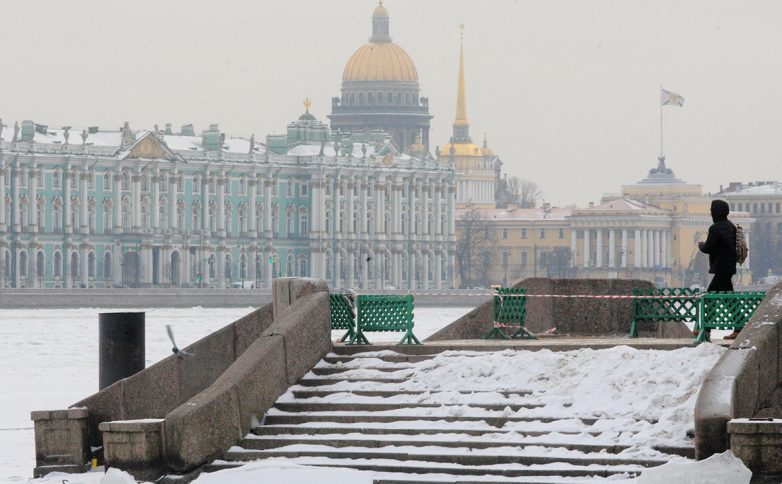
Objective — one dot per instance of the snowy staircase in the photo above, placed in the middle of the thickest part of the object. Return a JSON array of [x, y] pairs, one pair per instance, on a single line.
[[367, 411]]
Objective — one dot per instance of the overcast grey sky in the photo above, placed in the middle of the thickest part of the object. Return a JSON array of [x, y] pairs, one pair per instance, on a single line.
[[568, 91]]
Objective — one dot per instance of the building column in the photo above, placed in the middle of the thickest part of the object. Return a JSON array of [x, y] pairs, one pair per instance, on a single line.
[[586, 250], [221, 206], [438, 269], [624, 249], [362, 216], [396, 210], [269, 267], [611, 248], [33, 202], [411, 280], [172, 196], [3, 215], [425, 211], [135, 185], [637, 249], [657, 261], [117, 203], [438, 211], [424, 270], [338, 269], [252, 223], [574, 247], [664, 249], [351, 268], [83, 260], [599, 249], [267, 209], [146, 254], [396, 269], [364, 269], [66, 179], [155, 208], [84, 221], [380, 209], [649, 248]]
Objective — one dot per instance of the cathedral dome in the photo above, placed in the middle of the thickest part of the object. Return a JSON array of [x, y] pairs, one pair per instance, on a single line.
[[380, 62]]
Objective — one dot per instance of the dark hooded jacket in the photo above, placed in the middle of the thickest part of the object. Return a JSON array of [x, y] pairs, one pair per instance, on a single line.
[[721, 242]]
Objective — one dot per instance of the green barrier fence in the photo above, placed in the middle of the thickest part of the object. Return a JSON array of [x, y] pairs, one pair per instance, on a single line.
[[384, 313], [343, 315], [727, 310], [665, 304], [509, 311]]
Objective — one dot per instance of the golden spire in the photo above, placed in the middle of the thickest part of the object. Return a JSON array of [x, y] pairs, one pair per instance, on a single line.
[[307, 103], [461, 100]]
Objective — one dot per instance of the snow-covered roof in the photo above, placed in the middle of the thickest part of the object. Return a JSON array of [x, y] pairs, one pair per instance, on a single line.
[[755, 190], [522, 214], [328, 150]]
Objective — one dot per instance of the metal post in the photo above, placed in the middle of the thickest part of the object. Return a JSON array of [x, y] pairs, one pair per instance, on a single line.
[[121, 346]]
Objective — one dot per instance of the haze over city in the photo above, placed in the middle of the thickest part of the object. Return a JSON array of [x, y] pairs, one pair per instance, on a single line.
[[568, 92]]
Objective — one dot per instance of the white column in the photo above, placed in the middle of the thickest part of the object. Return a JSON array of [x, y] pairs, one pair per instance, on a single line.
[[33, 204], [649, 248], [83, 260], [664, 249], [267, 208], [155, 208], [425, 211], [425, 270], [599, 249], [380, 209], [172, 196], [146, 253], [135, 185], [438, 210], [364, 269], [396, 272], [349, 184], [253, 226], [362, 216], [438, 269], [85, 221], [624, 249], [411, 281], [351, 269], [66, 179], [637, 250], [338, 271], [586, 249], [221, 206], [574, 247], [117, 205], [3, 215], [611, 248], [657, 261]]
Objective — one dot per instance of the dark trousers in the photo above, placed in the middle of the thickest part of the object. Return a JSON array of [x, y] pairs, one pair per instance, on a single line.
[[721, 283]]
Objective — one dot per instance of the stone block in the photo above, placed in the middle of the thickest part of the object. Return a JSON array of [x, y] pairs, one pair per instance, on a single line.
[[758, 443], [280, 295], [764, 340], [306, 329], [212, 355], [286, 290], [201, 429], [152, 392], [134, 446], [61, 437], [250, 327], [107, 404], [260, 378]]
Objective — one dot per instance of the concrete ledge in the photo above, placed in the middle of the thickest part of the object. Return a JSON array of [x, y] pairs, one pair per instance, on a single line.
[[61, 439], [758, 443], [576, 317], [134, 446], [742, 380]]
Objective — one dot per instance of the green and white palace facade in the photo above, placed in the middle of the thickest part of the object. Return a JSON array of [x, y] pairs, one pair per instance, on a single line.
[[158, 208]]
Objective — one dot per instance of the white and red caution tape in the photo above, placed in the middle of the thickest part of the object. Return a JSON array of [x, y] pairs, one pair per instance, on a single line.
[[574, 296]]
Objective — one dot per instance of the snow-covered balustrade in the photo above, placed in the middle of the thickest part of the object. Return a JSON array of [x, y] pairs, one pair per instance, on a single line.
[[745, 382]]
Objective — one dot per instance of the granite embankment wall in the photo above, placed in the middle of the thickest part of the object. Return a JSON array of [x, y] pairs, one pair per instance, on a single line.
[[746, 381], [576, 316], [206, 402]]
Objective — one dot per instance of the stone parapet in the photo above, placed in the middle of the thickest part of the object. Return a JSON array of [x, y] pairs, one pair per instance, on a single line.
[[61, 440], [745, 381], [134, 446], [758, 443]]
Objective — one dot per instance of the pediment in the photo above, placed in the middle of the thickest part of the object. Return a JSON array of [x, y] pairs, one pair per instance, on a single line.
[[149, 147]]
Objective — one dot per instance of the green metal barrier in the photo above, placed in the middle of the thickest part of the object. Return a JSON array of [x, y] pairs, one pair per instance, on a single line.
[[676, 304], [384, 313], [727, 310], [342, 315], [509, 311]]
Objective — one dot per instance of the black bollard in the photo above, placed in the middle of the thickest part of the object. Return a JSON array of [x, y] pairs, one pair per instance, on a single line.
[[121, 346]]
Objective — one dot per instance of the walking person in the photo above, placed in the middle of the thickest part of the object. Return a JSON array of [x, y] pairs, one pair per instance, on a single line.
[[720, 245]]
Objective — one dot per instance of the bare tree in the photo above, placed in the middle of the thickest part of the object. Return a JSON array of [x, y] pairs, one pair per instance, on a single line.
[[530, 193], [474, 249]]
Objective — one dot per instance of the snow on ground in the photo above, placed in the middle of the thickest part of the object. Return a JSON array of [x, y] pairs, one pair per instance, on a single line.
[[49, 360]]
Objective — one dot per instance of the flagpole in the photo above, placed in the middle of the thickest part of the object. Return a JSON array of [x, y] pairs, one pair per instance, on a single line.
[[661, 122]]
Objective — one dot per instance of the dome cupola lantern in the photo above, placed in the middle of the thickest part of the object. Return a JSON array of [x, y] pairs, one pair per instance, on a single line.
[[380, 20]]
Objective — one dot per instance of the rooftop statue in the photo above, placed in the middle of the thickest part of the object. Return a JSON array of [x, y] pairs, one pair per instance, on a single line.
[[84, 137], [252, 144], [16, 132]]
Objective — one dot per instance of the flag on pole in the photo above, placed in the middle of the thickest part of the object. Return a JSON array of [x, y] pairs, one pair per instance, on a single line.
[[668, 98]]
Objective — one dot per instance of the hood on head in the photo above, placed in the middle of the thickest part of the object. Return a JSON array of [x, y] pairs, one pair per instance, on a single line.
[[719, 210]]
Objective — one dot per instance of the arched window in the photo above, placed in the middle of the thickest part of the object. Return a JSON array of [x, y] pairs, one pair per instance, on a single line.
[[163, 183], [289, 267], [212, 217], [355, 221], [75, 213], [227, 267], [180, 215], [196, 216], [39, 213], [163, 214], [196, 183], [275, 219], [259, 217], [303, 222], [74, 264], [56, 180], [243, 267], [125, 181], [91, 264], [212, 268], [242, 186], [328, 222], [57, 215], [242, 218], [303, 269], [57, 269], [106, 180], [23, 264], [40, 265], [228, 221], [341, 222], [290, 219], [107, 266]]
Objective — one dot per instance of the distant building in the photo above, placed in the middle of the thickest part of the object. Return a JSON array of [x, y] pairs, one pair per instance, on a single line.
[[763, 201], [650, 232], [380, 91], [97, 208]]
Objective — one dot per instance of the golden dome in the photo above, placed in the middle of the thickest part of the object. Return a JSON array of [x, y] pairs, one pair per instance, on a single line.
[[380, 10], [380, 62], [461, 149]]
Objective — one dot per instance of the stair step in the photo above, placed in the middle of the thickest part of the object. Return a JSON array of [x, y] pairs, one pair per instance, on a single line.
[[303, 394], [335, 370], [395, 429], [388, 358], [300, 418], [459, 464], [274, 442], [316, 382], [381, 407]]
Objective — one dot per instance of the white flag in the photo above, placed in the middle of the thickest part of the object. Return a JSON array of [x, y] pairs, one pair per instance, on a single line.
[[670, 99]]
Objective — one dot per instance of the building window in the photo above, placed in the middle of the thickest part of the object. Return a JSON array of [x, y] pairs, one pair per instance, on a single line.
[[179, 187], [57, 264], [291, 191], [196, 183], [40, 265], [23, 264], [196, 223], [212, 186], [126, 215], [524, 258], [91, 180], [57, 216], [779, 227], [561, 233], [91, 264], [56, 180], [91, 216], [106, 218], [303, 222], [106, 181], [505, 234], [304, 189], [290, 221], [275, 189], [542, 233], [180, 215], [144, 183], [125, 181], [523, 233], [242, 189]]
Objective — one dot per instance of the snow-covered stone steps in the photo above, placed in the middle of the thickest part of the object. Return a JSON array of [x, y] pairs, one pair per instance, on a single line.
[[333, 370], [304, 406], [398, 429], [549, 467], [392, 393], [391, 358], [462, 442], [314, 381]]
